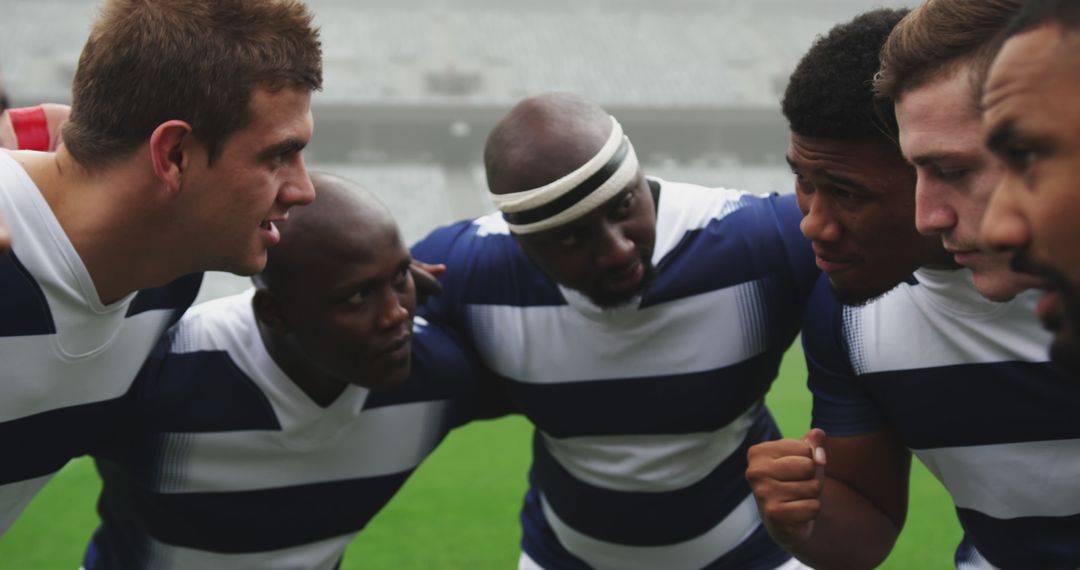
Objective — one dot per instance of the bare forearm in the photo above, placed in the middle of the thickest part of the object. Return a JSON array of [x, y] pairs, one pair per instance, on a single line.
[[849, 533]]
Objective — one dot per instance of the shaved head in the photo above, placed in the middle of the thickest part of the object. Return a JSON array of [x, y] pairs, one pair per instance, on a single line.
[[341, 220], [335, 303], [592, 232], [542, 139]]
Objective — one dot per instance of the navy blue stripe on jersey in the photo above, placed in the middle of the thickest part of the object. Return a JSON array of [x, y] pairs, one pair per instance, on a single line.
[[222, 399], [733, 250], [673, 404], [258, 520], [841, 407], [116, 549], [823, 319], [40, 444], [1032, 401], [1047, 543], [23, 305], [800, 253], [452, 245], [537, 538], [179, 294], [756, 552], [671, 517]]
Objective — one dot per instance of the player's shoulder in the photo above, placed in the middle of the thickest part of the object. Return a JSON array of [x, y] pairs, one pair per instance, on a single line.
[[690, 206], [699, 203], [214, 325], [490, 227], [824, 314], [469, 240], [437, 347]]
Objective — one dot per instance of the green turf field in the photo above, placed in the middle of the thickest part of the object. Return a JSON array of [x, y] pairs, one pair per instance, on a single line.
[[460, 509]]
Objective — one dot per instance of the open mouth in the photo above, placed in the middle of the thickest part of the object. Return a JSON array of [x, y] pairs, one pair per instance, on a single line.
[[270, 230]]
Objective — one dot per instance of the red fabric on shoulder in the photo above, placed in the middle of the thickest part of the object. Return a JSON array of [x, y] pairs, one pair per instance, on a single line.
[[31, 128]]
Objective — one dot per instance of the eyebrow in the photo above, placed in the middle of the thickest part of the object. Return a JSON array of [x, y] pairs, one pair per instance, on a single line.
[[284, 147], [837, 180], [928, 159], [1001, 136], [354, 284]]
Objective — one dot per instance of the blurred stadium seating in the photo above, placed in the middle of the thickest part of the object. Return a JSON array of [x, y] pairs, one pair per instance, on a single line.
[[413, 86]]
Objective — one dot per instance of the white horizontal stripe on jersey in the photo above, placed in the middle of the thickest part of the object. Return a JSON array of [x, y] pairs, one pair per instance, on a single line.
[[649, 463], [38, 379], [381, 441], [692, 554], [15, 496], [1010, 480], [687, 208], [1011, 335], [660, 340], [321, 555]]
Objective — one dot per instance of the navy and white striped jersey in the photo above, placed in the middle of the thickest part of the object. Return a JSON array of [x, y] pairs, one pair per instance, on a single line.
[[643, 413], [67, 359], [229, 464], [966, 384]]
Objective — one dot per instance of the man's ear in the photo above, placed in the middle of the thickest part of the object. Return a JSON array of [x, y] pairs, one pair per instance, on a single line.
[[268, 311], [170, 152]]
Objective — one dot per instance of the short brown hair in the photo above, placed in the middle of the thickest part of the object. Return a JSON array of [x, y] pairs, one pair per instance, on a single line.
[[150, 61], [940, 36]]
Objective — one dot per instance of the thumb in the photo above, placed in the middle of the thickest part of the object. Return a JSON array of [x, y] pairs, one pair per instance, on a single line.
[[816, 439]]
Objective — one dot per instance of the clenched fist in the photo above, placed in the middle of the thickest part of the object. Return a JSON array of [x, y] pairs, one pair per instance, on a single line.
[[787, 477]]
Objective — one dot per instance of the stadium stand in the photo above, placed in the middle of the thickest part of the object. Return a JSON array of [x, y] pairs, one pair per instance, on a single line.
[[413, 86]]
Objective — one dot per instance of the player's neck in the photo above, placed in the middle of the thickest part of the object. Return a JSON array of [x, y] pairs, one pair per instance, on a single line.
[[111, 223], [322, 389]]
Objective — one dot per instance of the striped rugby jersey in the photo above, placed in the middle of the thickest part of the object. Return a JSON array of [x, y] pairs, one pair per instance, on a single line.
[[966, 384], [229, 464], [643, 413], [67, 359]]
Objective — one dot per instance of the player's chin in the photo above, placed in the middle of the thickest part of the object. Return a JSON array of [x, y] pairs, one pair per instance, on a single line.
[[250, 264], [1000, 284], [389, 377], [857, 289], [614, 297]]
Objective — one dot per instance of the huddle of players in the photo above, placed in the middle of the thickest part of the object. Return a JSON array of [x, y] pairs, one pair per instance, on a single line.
[[636, 322]]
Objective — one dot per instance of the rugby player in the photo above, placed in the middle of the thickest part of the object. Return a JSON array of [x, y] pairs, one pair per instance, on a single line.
[[1032, 123], [932, 367], [157, 180], [269, 427], [638, 324]]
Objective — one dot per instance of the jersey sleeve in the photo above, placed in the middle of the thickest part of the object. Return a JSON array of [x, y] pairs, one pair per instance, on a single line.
[[800, 255], [444, 246], [445, 366], [842, 405]]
